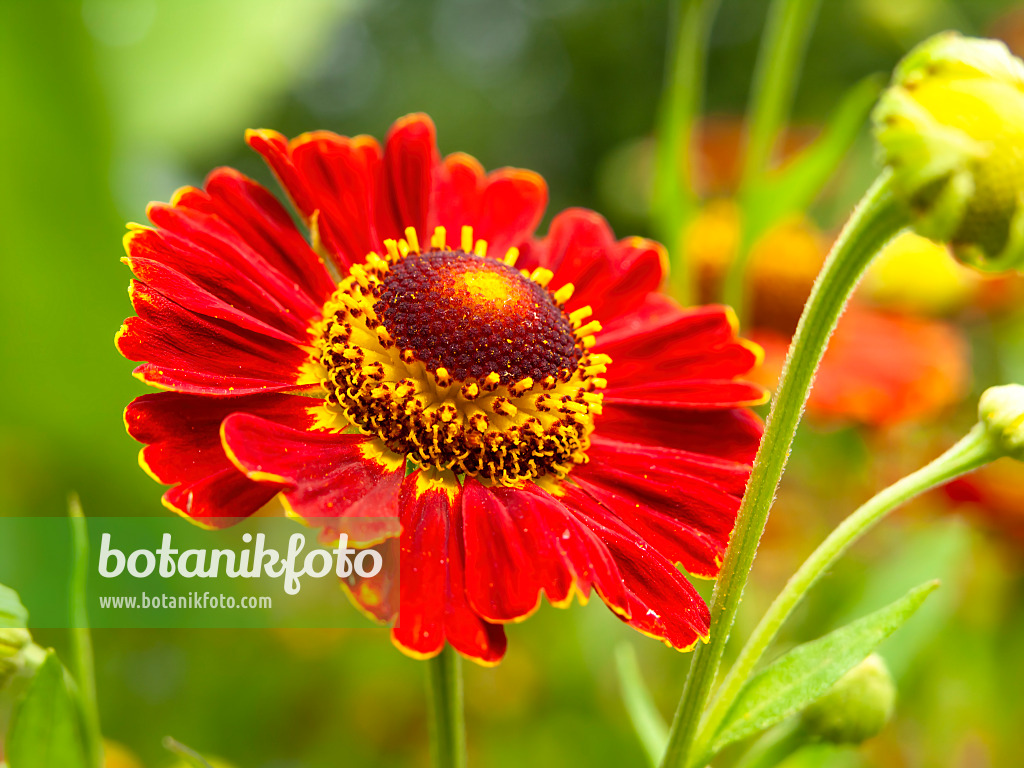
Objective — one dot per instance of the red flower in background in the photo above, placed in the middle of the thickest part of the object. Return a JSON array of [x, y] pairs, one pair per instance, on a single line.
[[535, 414]]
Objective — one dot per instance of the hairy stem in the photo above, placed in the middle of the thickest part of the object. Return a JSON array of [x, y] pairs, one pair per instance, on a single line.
[[973, 451], [875, 221]]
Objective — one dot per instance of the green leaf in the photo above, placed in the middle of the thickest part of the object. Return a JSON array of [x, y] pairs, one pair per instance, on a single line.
[[648, 723], [13, 614], [187, 754], [81, 640], [796, 185], [45, 730], [941, 551], [809, 670]]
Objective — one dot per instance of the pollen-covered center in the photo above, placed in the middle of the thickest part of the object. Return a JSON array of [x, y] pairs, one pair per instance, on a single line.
[[461, 363], [472, 315]]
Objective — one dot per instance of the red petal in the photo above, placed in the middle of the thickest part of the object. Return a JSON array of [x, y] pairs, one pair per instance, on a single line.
[[378, 596], [520, 543], [148, 248], [267, 227], [662, 602], [730, 476], [191, 353], [513, 203], [190, 296], [342, 177], [609, 276], [323, 474], [457, 195], [410, 160], [434, 605], [182, 433], [212, 499], [688, 393], [187, 226], [732, 434], [667, 487], [694, 343]]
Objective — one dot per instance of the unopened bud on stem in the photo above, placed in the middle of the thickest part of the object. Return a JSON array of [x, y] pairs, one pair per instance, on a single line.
[[1001, 411], [856, 708], [951, 129]]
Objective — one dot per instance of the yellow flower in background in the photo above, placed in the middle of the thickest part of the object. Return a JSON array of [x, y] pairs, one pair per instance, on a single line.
[[951, 128], [914, 274]]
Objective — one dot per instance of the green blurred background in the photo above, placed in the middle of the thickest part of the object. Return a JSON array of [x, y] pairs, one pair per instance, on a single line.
[[108, 104]]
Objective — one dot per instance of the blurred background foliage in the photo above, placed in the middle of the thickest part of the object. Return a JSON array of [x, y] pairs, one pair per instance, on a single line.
[[108, 104]]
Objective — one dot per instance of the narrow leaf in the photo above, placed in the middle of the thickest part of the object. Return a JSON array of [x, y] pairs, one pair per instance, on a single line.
[[648, 723], [81, 640], [13, 614], [45, 730], [189, 755], [798, 183], [809, 670]]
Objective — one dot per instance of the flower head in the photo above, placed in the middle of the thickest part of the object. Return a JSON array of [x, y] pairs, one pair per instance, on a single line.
[[538, 418], [951, 128]]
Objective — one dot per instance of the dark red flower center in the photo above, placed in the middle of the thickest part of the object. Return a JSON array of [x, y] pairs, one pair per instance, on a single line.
[[473, 315]]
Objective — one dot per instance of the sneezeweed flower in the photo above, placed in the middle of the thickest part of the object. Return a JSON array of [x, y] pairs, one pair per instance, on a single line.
[[951, 127], [536, 415]]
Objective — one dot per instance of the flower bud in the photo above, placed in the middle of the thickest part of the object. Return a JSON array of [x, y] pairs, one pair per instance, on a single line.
[[951, 129], [12, 644], [1001, 411], [856, 708]]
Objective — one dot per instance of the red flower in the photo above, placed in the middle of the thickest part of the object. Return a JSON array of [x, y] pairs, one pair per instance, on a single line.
[[567, 426]]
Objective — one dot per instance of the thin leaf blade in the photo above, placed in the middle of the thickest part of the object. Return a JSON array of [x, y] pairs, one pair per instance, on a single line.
[[795, 186], [188, 755], [647, 722], [809, 670]]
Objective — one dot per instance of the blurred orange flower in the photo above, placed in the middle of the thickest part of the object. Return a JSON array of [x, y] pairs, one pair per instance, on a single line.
[[882, 368]]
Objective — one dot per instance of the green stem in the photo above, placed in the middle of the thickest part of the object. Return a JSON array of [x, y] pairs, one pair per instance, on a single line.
[[973, 451], [447, 715], [674, 196], [873, 223], [775, 78], [81, 639]]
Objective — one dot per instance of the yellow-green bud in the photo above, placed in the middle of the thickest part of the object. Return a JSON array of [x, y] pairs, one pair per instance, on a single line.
[[12, 643], [1001, 411], [951, 129], [856, 708]]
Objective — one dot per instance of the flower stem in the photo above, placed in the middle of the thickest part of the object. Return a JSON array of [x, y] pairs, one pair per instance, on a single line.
[[673, 197], [875, 221], [973, 451], [447, 713], [778, 66]]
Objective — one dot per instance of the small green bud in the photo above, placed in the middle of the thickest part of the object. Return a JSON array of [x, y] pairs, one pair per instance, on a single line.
[[12, 659], [951, 129], [1001, 411], [856, 708]]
